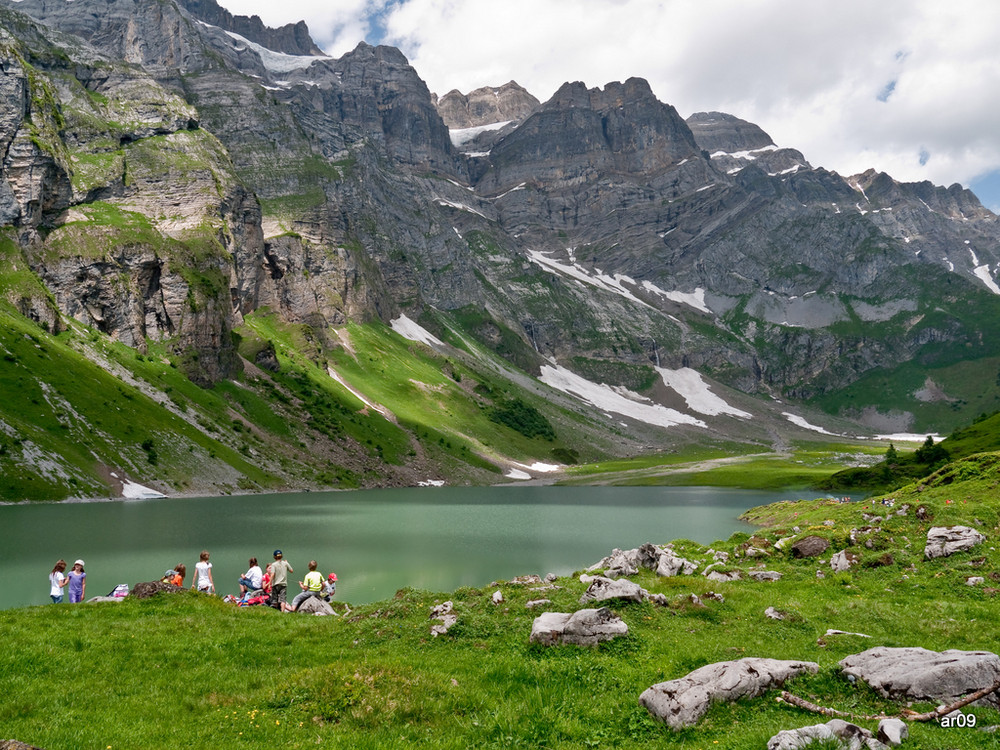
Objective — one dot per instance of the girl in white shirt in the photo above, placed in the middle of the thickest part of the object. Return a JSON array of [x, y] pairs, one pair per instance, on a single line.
[[58, 579], [203, 575]]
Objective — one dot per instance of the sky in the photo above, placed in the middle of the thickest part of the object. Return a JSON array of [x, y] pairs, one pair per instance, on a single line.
[[907, 87]]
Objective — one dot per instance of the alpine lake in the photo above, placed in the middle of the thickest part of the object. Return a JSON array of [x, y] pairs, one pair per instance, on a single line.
[[377, 541]]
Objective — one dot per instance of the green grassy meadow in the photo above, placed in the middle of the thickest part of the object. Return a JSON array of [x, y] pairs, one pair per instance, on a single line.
[[187, 670]]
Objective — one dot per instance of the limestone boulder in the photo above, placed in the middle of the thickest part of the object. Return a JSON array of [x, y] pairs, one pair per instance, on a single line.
[[943, 541], [681, 703], [585, 627], [836, 733], [917, 674], [842, 561], [315, 606], [445, 617], [671, 564], [892, 732], [604, 589]]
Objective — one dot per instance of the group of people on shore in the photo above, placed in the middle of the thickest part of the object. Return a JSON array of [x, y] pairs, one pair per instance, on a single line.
[[76, 579], [257, 586]]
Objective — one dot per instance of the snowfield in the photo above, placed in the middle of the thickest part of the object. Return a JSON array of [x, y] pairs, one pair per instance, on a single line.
[[692, 387], [608, 400], [414, 332]]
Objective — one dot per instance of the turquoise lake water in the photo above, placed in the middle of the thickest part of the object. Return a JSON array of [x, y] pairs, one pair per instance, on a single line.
[[377, 541]]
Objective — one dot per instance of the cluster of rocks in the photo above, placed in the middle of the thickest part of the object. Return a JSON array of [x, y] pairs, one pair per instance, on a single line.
[[445, 617], [900, 674], [890, 733]]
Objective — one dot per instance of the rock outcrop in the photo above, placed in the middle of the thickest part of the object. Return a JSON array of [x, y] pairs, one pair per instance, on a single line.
[[842, 733], [916, 674], [681, 703], [944, 541]]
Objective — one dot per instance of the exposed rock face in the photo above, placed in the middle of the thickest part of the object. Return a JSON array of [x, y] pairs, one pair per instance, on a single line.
[[585, 627], [944, 541], [917, 674], [681, 703], [741, 263], [486, 105]]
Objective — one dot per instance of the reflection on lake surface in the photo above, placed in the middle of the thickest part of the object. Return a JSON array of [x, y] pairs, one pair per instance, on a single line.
[[377, 541]]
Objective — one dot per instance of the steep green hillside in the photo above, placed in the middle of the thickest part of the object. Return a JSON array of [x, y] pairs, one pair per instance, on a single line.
[[901, 467]]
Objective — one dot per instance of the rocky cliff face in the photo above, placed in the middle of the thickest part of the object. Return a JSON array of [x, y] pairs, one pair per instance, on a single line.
[[186, 178], [292, 39]]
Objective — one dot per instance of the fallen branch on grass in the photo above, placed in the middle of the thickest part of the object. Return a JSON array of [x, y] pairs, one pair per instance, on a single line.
[[905, 714]]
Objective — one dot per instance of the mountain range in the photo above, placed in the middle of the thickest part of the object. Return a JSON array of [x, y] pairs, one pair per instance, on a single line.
[[313, 271]]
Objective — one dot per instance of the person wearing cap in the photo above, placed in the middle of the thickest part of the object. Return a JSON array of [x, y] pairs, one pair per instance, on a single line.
[[77, 583], [280, 569], [329, 587]]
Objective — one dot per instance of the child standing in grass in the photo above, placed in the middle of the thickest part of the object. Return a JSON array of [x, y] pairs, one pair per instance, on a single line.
[[77, 583], [203, 575], [57, 580]]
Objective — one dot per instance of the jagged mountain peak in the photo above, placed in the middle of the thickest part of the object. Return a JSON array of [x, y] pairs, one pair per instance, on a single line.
[[614, 94], [486, 105], [291, 39], [717, 131]]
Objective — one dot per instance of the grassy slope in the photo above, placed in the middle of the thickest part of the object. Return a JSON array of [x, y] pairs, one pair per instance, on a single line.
[[188, 670], [85, 420]]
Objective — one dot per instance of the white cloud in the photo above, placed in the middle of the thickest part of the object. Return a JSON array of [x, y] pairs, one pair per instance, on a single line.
[[810, 74]]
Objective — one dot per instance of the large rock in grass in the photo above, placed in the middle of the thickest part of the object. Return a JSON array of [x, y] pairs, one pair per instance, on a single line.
[[15, 745], [681, 703], [943, 541], [810, 546], [916, 674], [314, 605], [603, 589], [836, 733], [585, 627]]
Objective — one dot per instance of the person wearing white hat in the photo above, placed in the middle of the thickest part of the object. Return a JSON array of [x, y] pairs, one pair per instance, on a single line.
[[77, 583]]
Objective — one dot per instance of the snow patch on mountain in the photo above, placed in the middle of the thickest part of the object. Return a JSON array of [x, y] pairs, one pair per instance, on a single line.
[[276, 62], [597, 279], [799, 421], [414, 332], [605, 398], [983, 272], [461, 136], [461, 207], [695, 299], [689, 384]]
